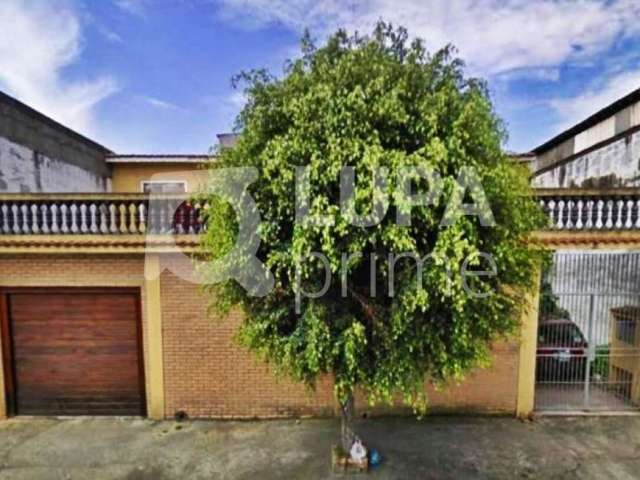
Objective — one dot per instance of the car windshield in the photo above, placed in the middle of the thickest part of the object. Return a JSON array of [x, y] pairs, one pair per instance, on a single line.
[[560, 334]]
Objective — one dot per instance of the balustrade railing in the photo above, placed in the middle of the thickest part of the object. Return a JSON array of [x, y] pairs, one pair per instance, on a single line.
[[582, 210], [135, 214], [98, 214]]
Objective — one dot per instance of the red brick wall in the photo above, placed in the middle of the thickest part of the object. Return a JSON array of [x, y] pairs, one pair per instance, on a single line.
[[207, 374], [490, 390]]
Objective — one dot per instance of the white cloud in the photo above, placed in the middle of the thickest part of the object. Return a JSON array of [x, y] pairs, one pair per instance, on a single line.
[[237, 99], [547, 74], [133, 7], [161, 104], [37, 41], [492, 35], [575, 109], [110, 35]]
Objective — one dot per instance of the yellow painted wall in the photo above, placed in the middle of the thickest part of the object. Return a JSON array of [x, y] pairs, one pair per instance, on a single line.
[[127, 177], [528, 349], [624, 356]]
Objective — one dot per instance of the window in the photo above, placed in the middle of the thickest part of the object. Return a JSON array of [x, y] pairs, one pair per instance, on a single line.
[[164, 187]]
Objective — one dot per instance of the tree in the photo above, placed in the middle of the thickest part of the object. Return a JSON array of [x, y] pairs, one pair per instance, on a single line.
[[549, 305], [372, 102]]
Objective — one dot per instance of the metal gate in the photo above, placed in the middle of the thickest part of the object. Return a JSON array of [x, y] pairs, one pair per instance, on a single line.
[[588, 353]]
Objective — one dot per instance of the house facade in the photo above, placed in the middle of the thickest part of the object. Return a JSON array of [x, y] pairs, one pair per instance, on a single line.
[[101, 314]]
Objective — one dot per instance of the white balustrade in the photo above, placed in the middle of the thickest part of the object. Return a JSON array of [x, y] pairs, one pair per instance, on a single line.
[[24, 211], [54, 219], [142, 211], [104, 216], [599, 223], [84, 228], [35, 229], [592, 212], [16, 219], [93, 223], [4, 209], [113, 227], [44, 218], [589, 223], [73, 210], [579, 223], [121, 216], [628, 223]]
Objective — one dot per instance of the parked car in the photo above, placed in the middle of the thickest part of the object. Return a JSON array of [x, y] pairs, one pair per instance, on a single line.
[[562, 351]]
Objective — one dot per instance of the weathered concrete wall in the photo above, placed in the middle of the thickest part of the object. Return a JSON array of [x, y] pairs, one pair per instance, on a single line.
[[564, 150], [39, 155], [615, 165], [25, 170], [619, 121]]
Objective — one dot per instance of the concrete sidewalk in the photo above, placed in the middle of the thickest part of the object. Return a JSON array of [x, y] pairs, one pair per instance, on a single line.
[[435, 448]]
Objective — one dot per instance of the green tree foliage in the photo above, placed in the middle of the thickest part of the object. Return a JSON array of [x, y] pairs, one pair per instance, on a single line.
[[549, 302], [370, 102]]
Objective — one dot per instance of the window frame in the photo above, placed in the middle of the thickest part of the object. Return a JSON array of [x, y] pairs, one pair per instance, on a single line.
[[151, 182]]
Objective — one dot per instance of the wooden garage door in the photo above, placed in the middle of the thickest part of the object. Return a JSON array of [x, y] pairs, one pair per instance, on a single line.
[[73, 352]]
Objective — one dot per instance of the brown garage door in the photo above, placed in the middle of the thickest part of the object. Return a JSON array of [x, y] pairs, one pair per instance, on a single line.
[[73, 352]]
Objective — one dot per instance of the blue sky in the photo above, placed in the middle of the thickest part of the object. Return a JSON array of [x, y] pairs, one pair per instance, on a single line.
[[153, 76]]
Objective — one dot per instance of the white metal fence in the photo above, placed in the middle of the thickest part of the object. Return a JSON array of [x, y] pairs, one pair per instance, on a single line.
[[588, 355]]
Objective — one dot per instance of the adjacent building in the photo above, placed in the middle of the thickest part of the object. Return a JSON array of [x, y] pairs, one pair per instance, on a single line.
[[38, 154], [602, 151]]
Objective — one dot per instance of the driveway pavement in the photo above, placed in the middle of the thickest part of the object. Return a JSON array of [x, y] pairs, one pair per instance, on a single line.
[[435, 448]]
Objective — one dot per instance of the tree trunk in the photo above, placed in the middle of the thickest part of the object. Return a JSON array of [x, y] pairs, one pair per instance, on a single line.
[[347, 436]]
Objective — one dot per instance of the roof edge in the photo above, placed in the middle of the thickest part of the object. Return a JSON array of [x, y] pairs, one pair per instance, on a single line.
[[159, 158], [33, 113], [590, 121]]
